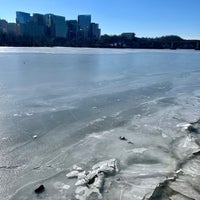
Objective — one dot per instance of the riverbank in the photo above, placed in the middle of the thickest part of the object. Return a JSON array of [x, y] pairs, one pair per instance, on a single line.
[[106, 41]]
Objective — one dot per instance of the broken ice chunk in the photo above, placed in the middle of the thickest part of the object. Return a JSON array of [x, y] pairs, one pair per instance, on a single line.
[[72, 174], [81, 175], [81, 182], [108, 166], [35, 136], [99, 180], [184, 127], [77, 168]]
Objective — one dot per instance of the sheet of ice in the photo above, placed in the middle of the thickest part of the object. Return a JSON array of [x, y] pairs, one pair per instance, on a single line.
[[81, 103]]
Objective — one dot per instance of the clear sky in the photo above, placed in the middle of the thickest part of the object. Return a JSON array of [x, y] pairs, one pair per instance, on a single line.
[[147, 18]]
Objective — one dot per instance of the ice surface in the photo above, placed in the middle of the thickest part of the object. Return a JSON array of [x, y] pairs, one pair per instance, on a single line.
[[80, 104]]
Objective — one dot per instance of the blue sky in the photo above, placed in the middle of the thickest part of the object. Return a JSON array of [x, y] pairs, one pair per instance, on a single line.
[[147, 18]]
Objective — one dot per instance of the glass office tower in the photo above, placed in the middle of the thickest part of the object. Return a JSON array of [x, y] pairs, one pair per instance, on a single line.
[[22, 17], [84, 22]]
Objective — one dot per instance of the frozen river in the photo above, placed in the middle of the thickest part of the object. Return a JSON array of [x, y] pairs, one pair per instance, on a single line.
[[61, 107]]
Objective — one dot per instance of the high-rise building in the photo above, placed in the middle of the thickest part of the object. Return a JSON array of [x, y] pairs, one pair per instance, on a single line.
[[32, 29], [56, 25], [3, 26], [72, 29], [59, 25], [95, 32], [84, 22], [13, 28], [47, 20], [33, 26], [38, 25], [38, 19], [22, 17]]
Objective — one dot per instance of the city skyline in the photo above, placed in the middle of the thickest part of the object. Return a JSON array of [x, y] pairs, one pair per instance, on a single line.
[[52, 26], [147, 18]]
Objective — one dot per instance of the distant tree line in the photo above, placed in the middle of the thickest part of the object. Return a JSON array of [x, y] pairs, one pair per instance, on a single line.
[[106, 41], [165, 42]]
